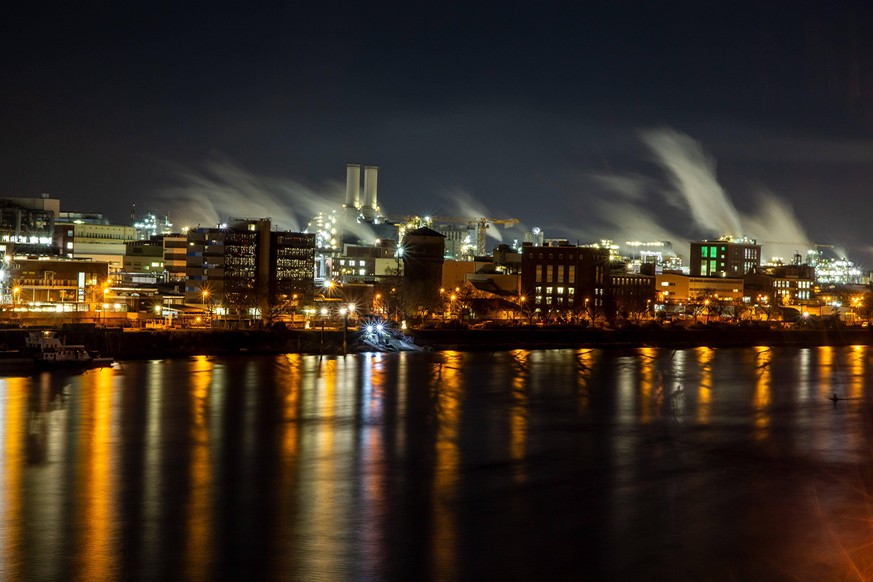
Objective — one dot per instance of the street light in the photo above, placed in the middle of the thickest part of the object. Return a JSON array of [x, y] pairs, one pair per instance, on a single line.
[[205, 294]]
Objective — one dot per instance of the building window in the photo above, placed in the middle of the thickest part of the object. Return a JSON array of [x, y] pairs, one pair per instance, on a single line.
[[539, 273], [549, 273], [571, 274]]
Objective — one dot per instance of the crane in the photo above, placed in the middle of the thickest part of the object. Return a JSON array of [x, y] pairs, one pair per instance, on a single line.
[[479, 224]]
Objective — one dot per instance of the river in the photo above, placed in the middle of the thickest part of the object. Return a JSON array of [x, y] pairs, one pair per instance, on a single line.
[[716, 464]]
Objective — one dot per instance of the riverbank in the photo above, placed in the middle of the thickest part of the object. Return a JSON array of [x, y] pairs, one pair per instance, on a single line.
[[149, 344]]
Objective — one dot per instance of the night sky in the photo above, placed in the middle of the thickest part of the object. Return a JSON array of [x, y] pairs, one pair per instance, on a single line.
[[589, 119]]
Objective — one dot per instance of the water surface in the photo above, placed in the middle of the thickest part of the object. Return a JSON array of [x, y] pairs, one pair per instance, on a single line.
[[717, 464]]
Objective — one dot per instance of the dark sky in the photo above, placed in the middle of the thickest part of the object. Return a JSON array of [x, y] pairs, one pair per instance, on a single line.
[[537, 111]]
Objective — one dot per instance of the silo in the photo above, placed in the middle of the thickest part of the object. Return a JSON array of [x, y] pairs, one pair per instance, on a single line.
[[353, 185], [371, 174]]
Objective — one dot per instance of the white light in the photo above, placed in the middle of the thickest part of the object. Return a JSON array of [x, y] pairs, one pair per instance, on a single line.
[[369, 329], [379, 327]]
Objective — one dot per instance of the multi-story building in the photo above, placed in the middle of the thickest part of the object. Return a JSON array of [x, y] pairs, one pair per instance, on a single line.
[[55, 280], [631, 293], [724, 258], [791, 284], [28, 224], [558, 280], [292, 264], [144, 261], [175, 256], [245, 269], [99, 242], [228, 267], [674, 288], [366, 263]]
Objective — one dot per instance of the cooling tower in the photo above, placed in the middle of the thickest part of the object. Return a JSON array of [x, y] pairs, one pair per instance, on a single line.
[[353, 185], [371, 174]]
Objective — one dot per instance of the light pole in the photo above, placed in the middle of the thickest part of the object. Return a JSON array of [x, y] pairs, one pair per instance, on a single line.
[[205, 293], [345, 313], [323, 317]]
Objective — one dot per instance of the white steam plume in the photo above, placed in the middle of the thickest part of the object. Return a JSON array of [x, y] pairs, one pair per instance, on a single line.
[[695, 189], [224, 189], [692, 174], [776, 228], [465, 205]]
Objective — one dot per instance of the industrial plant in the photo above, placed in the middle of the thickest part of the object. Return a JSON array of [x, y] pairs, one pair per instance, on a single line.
[[64, 265]]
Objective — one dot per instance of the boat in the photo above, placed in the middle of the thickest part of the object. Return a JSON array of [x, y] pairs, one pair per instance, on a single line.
[[47, 351]]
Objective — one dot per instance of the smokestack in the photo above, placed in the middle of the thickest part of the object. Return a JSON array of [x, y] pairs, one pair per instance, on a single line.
[[371, 174], [353, 185]]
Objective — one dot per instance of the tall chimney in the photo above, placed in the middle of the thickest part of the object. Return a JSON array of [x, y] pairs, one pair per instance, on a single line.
[[371, 174], [353, 185]]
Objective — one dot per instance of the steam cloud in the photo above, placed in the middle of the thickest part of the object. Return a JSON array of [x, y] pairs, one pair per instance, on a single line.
[[692, 188], [224, 189], [463, 204]]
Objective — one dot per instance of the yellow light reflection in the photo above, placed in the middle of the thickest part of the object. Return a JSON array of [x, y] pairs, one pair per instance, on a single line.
[[647, 364], [518, 412], [95, 478], [704, 389], [857, 356], [585, 363], [373, 457], [763, 392], [13, 404], [200, 496], [825, 370], [448, 403]]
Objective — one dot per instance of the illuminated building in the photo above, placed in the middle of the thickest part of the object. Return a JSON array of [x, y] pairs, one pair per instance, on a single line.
[[792, 283], [559, 280], [35, 282], [292, 266], [724, 257], [675, 288], [228, 266], [29, 224]]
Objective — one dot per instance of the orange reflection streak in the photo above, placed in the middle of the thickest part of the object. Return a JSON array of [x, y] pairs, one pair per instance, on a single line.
[[518, 411], [857, 357], [448, 409], [704, 389], [825, 370], [200, 498], [324, 508], [584, 363], [95, 479], [288, 383], [373, 457], [647, 364], [13, 399], [763, 392]]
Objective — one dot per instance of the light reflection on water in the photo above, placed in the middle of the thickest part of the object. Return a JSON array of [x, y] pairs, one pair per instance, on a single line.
[[684, 463]]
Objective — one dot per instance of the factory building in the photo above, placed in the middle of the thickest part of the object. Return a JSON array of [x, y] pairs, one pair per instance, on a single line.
[[724, 258], [362, 208], [560, 281]]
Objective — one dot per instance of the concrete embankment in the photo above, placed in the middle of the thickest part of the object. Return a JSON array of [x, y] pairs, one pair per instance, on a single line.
[[147, 344], [538, 338]]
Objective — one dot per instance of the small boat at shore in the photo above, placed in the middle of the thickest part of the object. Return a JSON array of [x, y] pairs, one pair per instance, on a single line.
[[44, 350], [48, 352]]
